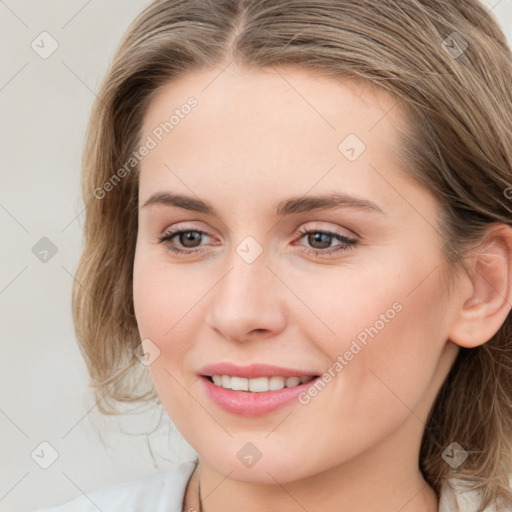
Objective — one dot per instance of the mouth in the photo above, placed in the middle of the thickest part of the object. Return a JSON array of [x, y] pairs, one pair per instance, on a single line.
[[252, 371], [254, 390], [258, 384], [255, 396]]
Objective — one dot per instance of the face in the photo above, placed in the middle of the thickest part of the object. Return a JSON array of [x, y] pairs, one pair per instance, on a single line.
[[304, 246]]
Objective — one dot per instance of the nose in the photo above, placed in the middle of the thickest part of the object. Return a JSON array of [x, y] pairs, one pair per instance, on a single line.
[[247, 301]]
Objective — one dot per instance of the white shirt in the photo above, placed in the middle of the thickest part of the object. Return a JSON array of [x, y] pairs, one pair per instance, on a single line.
[[164, 492]]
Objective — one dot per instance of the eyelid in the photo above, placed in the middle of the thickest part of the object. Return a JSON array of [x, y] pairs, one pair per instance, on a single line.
[[318, 225], [185, 226], [346, 242]]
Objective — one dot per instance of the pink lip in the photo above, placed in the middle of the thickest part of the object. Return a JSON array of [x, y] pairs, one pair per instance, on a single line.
[[246, 403], [252, 371]]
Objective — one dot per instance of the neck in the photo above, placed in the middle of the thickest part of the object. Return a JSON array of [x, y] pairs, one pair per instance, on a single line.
[[356, 485], [418, 497]]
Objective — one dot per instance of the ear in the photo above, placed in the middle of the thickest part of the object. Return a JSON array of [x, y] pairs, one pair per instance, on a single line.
[[486, 301]]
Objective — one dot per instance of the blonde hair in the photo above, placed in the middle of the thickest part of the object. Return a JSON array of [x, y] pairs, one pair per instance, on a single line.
[[458, 144]]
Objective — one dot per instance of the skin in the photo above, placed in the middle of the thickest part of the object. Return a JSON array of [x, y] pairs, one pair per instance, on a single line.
[[256, 138]]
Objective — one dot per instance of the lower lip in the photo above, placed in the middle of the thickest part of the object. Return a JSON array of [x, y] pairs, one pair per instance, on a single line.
[[247, 403]]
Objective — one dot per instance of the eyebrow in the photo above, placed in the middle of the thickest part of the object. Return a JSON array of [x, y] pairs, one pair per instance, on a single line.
[[293, 205]]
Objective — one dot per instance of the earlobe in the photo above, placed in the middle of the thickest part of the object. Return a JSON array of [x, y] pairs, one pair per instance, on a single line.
[[484, 310]]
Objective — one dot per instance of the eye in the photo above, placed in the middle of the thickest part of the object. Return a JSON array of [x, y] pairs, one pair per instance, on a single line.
[[324, 238], [189, 240], [186, 237]]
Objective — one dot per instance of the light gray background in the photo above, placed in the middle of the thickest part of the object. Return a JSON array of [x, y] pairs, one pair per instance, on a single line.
[[45, 105]]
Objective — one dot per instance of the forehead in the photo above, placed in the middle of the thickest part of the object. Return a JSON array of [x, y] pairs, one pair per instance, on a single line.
[[261, 129], [277, 96]]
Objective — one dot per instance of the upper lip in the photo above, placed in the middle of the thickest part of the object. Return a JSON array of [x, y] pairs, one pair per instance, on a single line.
[[252, 371]]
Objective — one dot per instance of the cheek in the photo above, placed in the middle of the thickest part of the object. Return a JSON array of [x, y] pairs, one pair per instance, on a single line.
[[347, 304], [161, 301], [164, 296], [394, 346], [158, 310], [384, 334]]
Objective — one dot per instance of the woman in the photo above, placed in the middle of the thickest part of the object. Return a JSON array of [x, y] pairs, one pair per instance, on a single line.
[[299, 222]]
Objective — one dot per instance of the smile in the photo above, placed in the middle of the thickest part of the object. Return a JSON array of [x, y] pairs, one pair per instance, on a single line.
[[258, 385], [254, 403]]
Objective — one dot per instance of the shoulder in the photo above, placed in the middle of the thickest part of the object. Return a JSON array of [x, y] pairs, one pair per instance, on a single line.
[[161, 492], [455, 497]]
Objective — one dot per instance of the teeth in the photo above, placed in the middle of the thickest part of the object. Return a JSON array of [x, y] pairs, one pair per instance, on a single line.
[[259, 384], [237, 383]]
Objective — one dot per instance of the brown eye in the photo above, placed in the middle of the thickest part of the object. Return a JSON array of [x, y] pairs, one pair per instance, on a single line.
[[317, 237], [189, 238], [186, 238], [321, 241]]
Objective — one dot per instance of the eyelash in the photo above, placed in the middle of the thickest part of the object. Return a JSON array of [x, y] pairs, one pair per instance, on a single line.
[[346, 244]]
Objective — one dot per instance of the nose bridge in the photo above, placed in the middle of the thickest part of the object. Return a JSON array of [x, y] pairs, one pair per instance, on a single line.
[[246, 264], [245, 298], [247, 281]]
